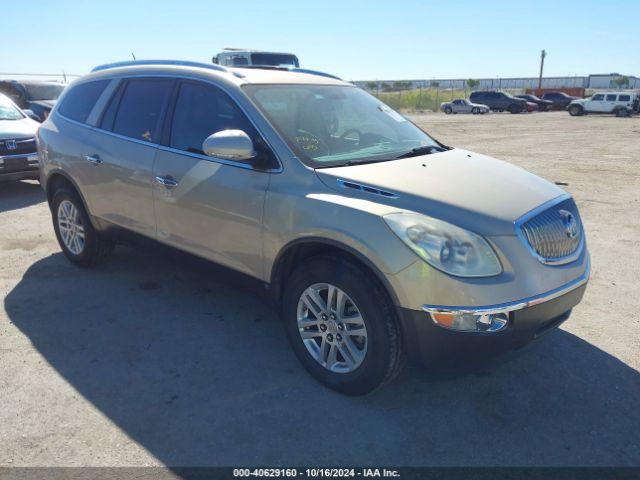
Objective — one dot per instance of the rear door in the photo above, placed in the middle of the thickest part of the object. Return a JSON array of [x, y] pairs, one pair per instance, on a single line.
[[209, 206], [122, 151], [610, 102]]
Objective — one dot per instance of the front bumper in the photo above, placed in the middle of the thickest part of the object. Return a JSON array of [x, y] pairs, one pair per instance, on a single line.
[[18, 167], [427, 342]]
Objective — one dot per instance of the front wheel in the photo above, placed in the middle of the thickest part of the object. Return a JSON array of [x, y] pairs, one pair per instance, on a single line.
[[576, 110], [447, 110], [341, 325], [475, 110], [80, 242]]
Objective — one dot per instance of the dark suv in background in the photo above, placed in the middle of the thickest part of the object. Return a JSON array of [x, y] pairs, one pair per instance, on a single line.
[[499, 101], [560, 100], [37, 96]]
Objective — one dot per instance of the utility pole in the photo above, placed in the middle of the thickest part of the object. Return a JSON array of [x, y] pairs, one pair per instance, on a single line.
[[543, 54], [133, 55]]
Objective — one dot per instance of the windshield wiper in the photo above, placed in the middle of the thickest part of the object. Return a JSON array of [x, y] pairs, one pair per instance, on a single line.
[[423, 150]]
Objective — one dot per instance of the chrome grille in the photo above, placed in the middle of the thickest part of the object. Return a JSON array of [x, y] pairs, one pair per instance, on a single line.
[[555, 234]]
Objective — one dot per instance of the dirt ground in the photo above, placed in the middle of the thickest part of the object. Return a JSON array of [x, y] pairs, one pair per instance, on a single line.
[[154, 359]]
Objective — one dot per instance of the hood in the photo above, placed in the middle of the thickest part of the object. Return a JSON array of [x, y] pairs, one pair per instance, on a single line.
[[16, 129], [473, 191]]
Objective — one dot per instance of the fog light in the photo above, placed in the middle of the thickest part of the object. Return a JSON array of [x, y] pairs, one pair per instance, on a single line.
[[469, 322]]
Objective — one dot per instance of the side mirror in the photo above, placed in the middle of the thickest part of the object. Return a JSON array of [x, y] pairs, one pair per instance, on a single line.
[[229, 144], [29, 113]]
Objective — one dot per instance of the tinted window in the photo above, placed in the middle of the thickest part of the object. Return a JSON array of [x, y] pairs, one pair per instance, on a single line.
[[598, 97], [79, 101], [624, 98], [611, 98], [141, 107], [200, 111]]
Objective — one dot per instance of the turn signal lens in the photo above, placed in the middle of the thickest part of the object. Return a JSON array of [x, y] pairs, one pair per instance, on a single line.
[[469, 322]]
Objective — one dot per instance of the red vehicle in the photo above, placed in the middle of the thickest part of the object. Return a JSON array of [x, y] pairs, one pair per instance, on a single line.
[[532, 107]]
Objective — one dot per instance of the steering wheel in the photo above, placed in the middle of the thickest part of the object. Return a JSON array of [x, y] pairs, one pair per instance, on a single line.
[[311, 144], [351, 130]]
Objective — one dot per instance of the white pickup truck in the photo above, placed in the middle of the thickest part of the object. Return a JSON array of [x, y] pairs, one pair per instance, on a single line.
[[621, 104]]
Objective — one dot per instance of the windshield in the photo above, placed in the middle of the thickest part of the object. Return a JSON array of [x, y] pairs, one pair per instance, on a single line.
[[337, 125], [8, 111], [274, 59], [43, 91]]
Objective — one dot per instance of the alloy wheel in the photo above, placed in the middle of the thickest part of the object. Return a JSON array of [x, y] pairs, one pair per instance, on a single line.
[[332, 328], [70, 227]]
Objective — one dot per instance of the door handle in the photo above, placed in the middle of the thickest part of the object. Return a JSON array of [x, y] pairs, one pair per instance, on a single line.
[[168, 181], [93, 159]]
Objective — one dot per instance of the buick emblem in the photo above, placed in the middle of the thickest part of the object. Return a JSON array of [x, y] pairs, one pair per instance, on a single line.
[[570, 223], [11, 144]]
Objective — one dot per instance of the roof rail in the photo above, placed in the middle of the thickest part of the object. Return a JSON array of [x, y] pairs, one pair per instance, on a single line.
[[313, 72], [184, 63], [289, 69]]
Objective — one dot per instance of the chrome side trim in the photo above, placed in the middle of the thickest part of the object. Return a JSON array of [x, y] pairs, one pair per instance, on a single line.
[[20, 155], [536, 211], [512, 306]]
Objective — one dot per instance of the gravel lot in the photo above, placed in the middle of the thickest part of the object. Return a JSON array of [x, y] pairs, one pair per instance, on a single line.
[[159, 359]]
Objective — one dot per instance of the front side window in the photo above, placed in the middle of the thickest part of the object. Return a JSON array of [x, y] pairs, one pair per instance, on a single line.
[[8, 110], [202, 110], [141, 108], [80, 100], [43, 91], [624, 98], [597, 98], [337, 125]]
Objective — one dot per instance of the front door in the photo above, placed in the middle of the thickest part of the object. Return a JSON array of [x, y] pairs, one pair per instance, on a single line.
[[209, 206]]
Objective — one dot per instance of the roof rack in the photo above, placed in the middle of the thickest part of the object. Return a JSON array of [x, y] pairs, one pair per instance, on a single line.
[[183, 63]]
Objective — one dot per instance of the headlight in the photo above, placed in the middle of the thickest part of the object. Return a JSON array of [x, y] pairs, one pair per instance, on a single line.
[[446, 247]]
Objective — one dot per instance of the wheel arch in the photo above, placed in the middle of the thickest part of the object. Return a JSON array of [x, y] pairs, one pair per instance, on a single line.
[[59, 178], [300, 249]]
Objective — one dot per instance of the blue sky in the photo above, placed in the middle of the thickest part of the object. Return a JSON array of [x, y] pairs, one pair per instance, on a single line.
[[395, 39]]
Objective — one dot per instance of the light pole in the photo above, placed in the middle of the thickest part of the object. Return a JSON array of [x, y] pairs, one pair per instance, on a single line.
[[543, 54]]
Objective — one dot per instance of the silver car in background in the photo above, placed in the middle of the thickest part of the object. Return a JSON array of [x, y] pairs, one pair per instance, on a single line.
[[462, 105], [377, 242]]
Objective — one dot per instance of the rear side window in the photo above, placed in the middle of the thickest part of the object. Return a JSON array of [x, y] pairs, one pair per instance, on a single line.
[[624, 98], [200, 111], [78, 103], [611, 98], [141, 107]]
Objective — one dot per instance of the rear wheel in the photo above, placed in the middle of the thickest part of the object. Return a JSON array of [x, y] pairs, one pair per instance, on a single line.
[[341, 325], [447, 110], [622, 112], [576, 110], [79, 241], [475, 110]]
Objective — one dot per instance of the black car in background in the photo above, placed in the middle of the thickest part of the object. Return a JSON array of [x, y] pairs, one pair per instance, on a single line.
[[543, 105], [499, 101], [560, 100], [37, 96]]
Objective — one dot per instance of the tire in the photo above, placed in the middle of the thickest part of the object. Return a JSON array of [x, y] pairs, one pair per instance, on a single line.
[[513, 109], [576, 110], [475, 110], [447, 110], [383, 356], [85, 252], [622, 112]]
